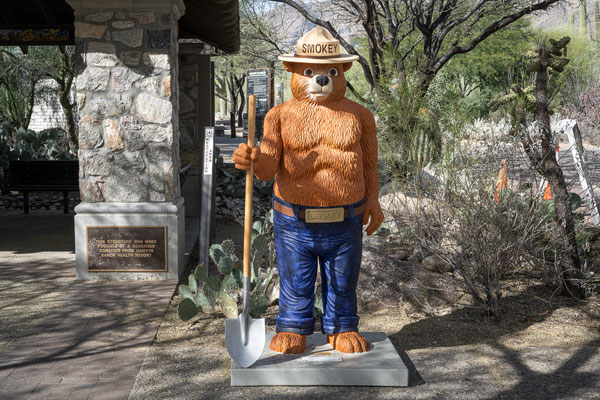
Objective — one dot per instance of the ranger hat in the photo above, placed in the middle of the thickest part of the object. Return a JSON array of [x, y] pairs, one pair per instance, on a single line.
[[318, 47]]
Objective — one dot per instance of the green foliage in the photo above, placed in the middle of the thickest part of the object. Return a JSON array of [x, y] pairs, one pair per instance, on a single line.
[[581, 71], [466, 84], [547, 208], [410, 135], [21, 144], [220, 293], [187, 309]]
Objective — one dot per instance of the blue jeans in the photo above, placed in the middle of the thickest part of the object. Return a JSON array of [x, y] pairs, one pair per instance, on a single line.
[[338, 247]]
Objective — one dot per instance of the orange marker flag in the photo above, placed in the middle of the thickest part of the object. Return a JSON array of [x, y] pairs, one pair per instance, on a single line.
[[501, 180], [547, 191]]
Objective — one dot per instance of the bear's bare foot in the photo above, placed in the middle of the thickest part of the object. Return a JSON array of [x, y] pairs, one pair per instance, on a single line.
[[348, 342], [288, 342]]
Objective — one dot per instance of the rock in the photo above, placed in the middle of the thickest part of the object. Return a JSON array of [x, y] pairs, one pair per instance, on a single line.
[[80, 101], [125, 188], [150, 84], [153, 109], [144, 17], [400, 255], [385, 282], [122, 78], [114, 135], [130, 57], [157, 134], [99, 17], [436, 264], [101, 54], [93, 79], [130, 162], [90, 133], [123, 24], [85, 30], [129, 37], [130, 123], [111, 105], [97, 162], [157, 197], [157, 60], [158, 39]]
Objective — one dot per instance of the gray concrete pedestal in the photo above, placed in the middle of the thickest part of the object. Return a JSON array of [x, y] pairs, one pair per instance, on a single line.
[[111, 239], [320, 365]]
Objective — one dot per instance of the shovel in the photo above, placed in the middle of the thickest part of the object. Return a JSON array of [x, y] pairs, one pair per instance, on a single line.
[[245, 336]]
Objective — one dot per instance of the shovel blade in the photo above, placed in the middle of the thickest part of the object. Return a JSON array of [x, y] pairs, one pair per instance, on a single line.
[[245, 354]]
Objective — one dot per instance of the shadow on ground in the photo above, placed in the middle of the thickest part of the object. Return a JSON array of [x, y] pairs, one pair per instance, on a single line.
[[531, 351], [37, 232]]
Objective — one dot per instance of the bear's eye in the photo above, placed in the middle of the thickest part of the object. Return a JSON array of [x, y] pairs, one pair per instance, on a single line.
[[308, 72], [333, 72]]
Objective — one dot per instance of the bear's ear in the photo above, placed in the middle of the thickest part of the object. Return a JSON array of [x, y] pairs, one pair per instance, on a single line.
[[347, 66], [288, 66]]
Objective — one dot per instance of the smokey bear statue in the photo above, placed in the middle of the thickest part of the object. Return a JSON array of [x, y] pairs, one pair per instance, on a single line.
[[321, 148]]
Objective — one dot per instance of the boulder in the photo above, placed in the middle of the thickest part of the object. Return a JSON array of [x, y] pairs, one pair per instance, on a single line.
[[436, 264]]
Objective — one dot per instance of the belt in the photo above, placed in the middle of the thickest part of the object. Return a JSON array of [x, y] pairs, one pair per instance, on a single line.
[[334, 214]]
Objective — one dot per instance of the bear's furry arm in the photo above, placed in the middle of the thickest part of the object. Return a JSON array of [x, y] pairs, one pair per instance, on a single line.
[[267, 161], [368, 144]]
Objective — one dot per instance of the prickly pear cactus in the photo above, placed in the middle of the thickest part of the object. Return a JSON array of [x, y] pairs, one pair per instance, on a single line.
[[211, 294]]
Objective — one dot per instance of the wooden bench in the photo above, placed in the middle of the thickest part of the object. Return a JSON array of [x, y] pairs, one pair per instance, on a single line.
[[42, 176]]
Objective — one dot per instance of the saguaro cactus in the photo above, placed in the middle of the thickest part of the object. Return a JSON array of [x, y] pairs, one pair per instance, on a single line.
[[597, 20], [583, 18], [571, 23]]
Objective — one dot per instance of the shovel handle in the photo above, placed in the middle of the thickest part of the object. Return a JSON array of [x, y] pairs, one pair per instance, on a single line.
[[249, 187]]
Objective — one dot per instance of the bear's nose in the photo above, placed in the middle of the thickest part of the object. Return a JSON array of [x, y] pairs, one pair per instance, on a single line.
[[322, 80]]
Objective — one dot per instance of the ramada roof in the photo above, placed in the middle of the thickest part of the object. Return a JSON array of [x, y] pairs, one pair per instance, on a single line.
[[215, 22]]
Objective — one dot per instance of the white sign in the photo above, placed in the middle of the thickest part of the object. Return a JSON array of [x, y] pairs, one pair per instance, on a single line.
[[569, 126], [209, 137]]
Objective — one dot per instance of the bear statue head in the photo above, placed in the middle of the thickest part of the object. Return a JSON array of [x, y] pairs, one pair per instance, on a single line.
[[318, 68], [318, 83]]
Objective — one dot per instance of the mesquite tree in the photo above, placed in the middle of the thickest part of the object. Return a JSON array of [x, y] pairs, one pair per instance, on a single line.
[[426, 33], [539, 147]]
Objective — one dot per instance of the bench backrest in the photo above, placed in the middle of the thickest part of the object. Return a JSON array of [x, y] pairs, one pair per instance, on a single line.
[[43, 173]]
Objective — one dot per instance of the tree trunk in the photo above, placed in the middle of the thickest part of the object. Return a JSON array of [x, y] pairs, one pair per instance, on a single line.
[[240, 111], [568, 258], [67, 107], [30, 103]]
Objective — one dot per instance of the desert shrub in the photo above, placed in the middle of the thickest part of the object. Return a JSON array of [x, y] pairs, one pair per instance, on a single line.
[[587, 112], [452, 214]]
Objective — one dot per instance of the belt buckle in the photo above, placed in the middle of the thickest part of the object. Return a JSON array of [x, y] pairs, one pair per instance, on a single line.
[[321, 215]]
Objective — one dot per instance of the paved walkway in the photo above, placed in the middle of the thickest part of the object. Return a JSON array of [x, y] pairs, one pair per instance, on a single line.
[[67, 339]]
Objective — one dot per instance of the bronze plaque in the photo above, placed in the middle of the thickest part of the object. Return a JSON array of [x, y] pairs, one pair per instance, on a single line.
[[126, 248]]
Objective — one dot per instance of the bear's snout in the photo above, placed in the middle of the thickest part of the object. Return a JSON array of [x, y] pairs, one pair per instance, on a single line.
[[322, 80]]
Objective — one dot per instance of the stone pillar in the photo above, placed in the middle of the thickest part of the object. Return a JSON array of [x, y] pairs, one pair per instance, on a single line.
[[127, 94]]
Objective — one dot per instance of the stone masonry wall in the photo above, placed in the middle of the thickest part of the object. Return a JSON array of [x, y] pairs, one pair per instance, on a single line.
[[127, 88]]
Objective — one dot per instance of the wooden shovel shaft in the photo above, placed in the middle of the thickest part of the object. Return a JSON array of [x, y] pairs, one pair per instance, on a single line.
[[249, 187]]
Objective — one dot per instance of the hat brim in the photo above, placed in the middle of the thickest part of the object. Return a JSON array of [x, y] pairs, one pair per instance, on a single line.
[[341, 59]]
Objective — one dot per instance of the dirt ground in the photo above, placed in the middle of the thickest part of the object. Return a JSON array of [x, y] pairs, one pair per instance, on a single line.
[[545, 347]]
